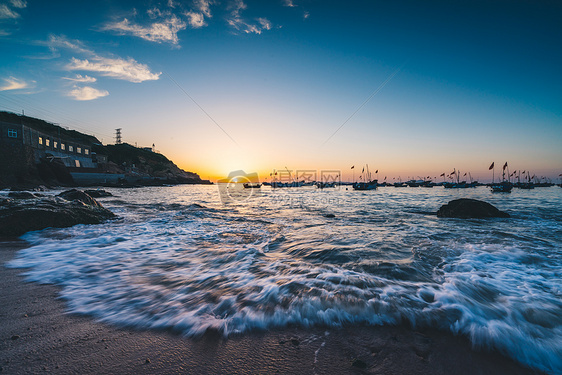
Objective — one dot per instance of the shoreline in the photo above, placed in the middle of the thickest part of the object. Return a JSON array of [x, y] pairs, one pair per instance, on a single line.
[[38, 336]]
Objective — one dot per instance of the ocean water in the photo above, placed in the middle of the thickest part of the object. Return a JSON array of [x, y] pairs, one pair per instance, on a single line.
[[182, 258]]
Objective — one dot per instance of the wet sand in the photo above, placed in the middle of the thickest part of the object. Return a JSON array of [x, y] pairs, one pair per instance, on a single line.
[[37, 336]]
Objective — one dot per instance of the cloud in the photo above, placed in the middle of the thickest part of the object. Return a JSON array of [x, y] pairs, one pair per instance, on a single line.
[[114, 67], [265, 23], [13, 83], [204, 6], [56, 42], [7, 13], [80, 78], [201, 10], [19, 3], [165, 31], [87, 93], [289, 3], [236, 21], [196, 20], [128, 70]]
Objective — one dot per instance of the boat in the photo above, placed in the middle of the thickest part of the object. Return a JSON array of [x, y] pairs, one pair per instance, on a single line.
[[367, 183], [505, 186], [371, 185], [323, 185], [252, 185], [502, 187]]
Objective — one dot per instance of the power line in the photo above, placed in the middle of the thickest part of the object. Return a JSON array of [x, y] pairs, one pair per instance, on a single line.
[[381, 86]]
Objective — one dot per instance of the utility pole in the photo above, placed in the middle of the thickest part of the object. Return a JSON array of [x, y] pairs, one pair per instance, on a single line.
[[118, 136]]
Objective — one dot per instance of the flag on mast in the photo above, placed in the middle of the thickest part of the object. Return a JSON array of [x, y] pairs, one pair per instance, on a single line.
[[353, 166], [505, 166], [491, 166]]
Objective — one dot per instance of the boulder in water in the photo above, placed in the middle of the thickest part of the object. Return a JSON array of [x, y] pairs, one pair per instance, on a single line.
[[469, 208], [98, 193], [18, 216]]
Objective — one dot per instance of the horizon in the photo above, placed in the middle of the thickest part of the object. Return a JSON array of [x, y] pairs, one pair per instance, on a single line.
[[410, 89]]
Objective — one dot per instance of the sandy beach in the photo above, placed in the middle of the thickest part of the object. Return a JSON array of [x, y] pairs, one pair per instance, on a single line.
[[37, 336]]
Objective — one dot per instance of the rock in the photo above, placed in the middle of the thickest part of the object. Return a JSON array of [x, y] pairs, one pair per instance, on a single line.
[[469, 208], [330, 216], [359, 364], [80, 196], [147, 360], [98, 193], [18, 216], [15, 337], [295, 341]]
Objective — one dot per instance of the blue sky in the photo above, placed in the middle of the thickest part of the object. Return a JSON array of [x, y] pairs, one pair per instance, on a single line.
[[415, 88]]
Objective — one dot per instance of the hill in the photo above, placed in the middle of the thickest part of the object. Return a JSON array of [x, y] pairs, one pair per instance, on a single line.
[[33, 152]]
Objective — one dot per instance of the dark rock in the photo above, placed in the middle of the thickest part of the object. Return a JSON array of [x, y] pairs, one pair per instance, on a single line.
[[80, 196], [359, 364], [330, 216], [147, 360], [21, 195], [18, 216], [469, 208], [98, 193]]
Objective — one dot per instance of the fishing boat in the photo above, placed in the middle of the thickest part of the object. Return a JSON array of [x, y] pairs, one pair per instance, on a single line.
[[399, 183], [502, 187], [371, 185], [367, 183], [505, 186], [252, 185], [323, 185]]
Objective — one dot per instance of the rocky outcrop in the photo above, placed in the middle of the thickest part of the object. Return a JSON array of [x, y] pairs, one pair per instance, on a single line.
[[469, 208], [20, 215], [98, 193]]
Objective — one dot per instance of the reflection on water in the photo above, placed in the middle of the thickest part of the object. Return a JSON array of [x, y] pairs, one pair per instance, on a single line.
[[182, 259]]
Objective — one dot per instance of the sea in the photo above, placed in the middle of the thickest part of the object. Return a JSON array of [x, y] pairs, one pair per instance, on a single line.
[[195, 258]]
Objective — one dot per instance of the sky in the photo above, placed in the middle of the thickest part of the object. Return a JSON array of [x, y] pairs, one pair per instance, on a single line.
[[409, 88]]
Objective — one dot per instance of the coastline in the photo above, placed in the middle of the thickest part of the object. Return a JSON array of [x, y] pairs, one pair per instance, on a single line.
[[38, 336]]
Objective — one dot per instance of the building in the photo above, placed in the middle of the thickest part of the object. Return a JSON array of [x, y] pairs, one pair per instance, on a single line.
[[26, 142]]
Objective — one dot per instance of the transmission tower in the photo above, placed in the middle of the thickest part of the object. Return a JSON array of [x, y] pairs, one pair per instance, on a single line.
[[118, 136]]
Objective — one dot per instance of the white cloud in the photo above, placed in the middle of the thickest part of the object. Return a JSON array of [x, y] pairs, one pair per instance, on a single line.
[[7, 13], [306, 15], [204, 6], [265, 23], [128, 70], [196, 20], [13, 83], [289, 3], [19, 3], [241, 24], [202, 10], [165, 31], [81, 78], [55, 42], [115, 67], [87, 93]]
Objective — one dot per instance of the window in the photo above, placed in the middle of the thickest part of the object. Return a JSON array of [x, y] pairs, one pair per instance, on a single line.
[[79, 150], [86, 151], [77, 163], [47, 142], [62, 146], [12, 133], [55, 144], [40, 140], [70, 148]]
